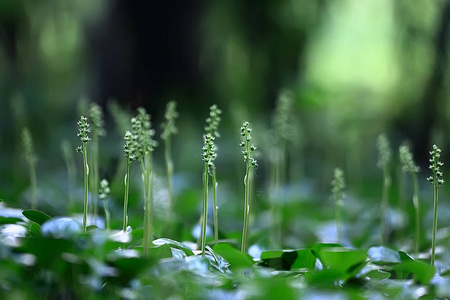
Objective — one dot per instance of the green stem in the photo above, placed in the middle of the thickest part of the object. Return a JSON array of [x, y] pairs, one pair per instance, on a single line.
[[246, 202], [338, 220], [216, 208], [148, 187], [384, 205], [125, 200], [433, 242], [33, 182], [95, 180], [276, 227], [169, 167], [107, 215], [416, 204], [86, 187], [205, 207]]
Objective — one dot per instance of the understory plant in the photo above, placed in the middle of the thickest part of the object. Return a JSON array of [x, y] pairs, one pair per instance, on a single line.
[[31, 159], [338, 185], [83, 134], [144, 144], [285, 134], [211, 128], [410, 167], [103, 193], [67, 152], [129, 152], [96, 117], [169, 129], [250, 162], [384, 163], [436, 180], [209, 155]]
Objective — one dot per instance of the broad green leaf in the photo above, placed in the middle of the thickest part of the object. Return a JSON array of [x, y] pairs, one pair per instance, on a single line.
[[382, 255], [305, 259], [36, 216], [35, 229], [173, 244], [9, 220], [236, 259], [345, 261], [289, 259], [421, 272]]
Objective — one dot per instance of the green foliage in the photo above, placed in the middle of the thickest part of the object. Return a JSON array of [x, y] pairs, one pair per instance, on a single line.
[[338, 185], [436, 180], [31, 158], [103, 193], [169, 129], [384, 163], [250, 162], [83, 134], [96, 116], [409, 166]]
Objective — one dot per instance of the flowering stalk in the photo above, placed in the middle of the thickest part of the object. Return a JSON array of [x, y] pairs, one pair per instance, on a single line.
[[168, 130], [384, 164], [209, 154], [249, 162], [211, 128], [31, 158], [103, 195], [409, 167], [143, 146], [83, 134], [338, 184], [67, 151], [96, 116], [128, 149], [436, 180]]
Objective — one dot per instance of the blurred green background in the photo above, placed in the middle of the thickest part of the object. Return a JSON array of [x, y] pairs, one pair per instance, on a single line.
[[356, 69]]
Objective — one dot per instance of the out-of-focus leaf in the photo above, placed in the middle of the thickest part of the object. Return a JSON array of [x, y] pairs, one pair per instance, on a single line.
[[36, 216], [382, 255], [9, 220], [289, 259], [236, 259], [421, 272], [173, 244]]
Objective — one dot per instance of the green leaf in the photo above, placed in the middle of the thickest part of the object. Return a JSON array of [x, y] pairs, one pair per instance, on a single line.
[[382, 255], [289, 259], [236, 259], [35, 229], [9, 220], [36, 216], [173, 244], [305, 259], [346, 261], [421, 272]]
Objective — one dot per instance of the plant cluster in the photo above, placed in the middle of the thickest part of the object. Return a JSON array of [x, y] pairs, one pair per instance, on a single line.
[[47, 257]]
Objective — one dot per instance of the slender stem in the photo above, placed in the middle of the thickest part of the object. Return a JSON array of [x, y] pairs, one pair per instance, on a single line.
[[148, 187], [107, 215], [384, 205], [169, 167], [416, 204], [205, 207], [86, 187], [125, 200], [338, 220], [246, 208], [433, 242], [33, 182], [216, 208], [95, 180], [276, 230]]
